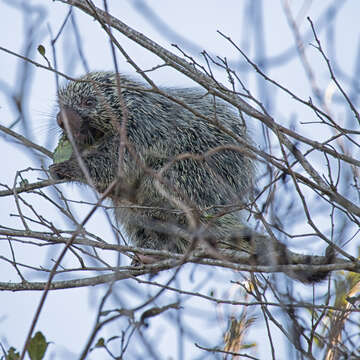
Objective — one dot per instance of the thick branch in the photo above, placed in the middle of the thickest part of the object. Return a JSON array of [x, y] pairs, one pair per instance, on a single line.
[[231, 259], [165, 265]]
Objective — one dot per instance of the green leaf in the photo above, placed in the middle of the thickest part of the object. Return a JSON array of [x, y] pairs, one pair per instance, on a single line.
[[37, 346], [100, 343], [41, 50], [158, 310], [12, 354], [63, 151]]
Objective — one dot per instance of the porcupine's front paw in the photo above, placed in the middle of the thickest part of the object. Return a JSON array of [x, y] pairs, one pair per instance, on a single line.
[[64, 171], [143, 260]]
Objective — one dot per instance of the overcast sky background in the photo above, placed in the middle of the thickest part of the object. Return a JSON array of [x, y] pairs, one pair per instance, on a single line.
[[194, 25]]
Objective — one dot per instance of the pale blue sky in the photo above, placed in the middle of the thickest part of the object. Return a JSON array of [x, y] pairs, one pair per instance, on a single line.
[[196, 23]]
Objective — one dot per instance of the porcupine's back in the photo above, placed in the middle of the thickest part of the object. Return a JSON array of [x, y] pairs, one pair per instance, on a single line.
[[184, 149]]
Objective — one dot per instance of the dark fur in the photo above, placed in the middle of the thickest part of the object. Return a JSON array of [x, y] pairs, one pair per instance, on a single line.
[[159, 130]]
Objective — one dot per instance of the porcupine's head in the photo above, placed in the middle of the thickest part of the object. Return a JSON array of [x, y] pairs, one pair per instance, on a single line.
[[90, 107], [90, 115]]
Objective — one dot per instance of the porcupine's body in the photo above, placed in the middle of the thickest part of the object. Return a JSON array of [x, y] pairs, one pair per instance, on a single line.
[[174, 161]]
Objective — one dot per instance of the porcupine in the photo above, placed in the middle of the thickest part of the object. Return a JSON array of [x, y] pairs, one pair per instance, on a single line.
[[179, 167]]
